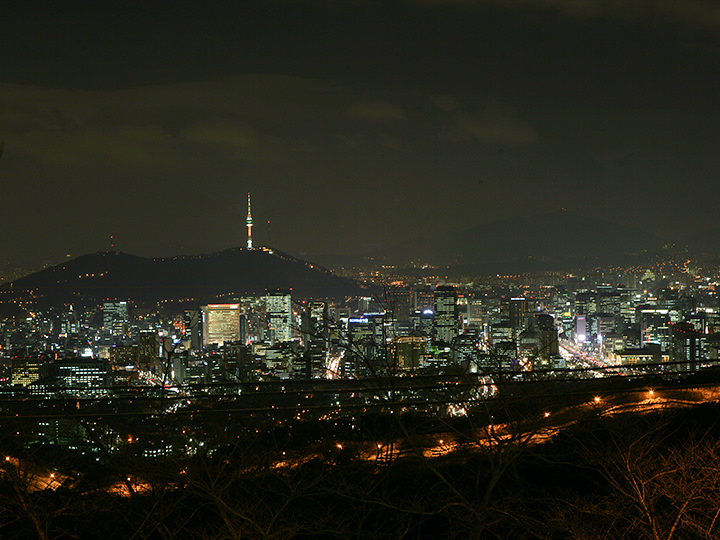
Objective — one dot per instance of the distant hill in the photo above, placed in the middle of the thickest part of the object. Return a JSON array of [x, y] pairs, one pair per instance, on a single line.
[[90, 279], [559, 240]]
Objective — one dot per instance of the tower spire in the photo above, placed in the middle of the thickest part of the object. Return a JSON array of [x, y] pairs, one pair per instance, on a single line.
[[249, 225]]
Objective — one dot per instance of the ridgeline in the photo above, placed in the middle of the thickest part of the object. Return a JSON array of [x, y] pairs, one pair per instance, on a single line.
[[191, 279]]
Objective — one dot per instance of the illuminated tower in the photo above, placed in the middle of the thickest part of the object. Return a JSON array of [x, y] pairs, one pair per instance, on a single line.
[[249, 225]]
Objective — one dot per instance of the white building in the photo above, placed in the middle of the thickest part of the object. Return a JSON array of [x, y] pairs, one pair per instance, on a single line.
[[221, 323]]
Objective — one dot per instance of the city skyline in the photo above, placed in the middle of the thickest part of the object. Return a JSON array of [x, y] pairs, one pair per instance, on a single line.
[[359, 128]]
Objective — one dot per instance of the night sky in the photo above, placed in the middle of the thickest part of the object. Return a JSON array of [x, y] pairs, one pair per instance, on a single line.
[[357, 126]]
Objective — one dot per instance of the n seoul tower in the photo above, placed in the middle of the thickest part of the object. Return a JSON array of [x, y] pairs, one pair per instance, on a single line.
[[249, 225]]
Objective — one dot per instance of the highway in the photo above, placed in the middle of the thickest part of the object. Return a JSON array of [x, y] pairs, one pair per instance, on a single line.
[[576, 357]]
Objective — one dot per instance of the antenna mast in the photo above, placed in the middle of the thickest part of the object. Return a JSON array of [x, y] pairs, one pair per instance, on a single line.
[[249, 225]]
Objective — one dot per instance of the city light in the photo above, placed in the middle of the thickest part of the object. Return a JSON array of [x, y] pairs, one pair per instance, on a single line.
[[271, 357]]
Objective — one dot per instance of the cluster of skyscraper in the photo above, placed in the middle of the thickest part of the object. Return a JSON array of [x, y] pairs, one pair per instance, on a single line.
[[253, 338], [512, 326], [494, 326]]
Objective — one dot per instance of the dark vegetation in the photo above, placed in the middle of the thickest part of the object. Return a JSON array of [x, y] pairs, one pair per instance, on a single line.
[[91, 279], [624, 475]]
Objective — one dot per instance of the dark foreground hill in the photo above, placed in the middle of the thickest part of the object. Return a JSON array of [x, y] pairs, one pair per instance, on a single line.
[[607, 475], [90, 279]]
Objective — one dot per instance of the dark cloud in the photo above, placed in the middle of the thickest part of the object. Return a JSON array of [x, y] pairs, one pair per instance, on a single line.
[[702, 13], [376, 111], [496, 123], [353, 123]]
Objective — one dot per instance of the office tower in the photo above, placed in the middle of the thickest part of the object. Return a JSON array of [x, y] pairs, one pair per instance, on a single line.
[[424, 299], [547, 331], [685, 347], [538, 343], [148, 347], [221, 323], [360, 347], [178, 367], [446, 325], [475, 313], [278, 309], [70, 322], [655, 325], [399, 303], [82, 375], [518, 307], [194, 328], [602, 324], [24, 371], [462, 311], [422, 321], [465, 350], [366, 304], [407, 352], [580, 329], [585, 303], [380, 336], [317, 339], [249, 223], [115, 317]]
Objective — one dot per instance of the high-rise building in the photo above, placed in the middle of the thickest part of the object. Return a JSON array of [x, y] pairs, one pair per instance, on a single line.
[[465, 350], [424, 299], [475, 313], [580, 329], [148, 348], [685, 347], [70, 323], [601, 325], [317, 339], [278, 308], [115, 317], [446, 316], [407, 351], [538, 343], [518, 307], [399, 303], [366, 304], [422, 321], [360, 347], [549, 347], [194, 328], [81, 374], [25, 371], [221, 323]]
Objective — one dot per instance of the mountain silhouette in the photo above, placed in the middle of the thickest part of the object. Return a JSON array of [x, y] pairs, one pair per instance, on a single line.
[[91, 279]]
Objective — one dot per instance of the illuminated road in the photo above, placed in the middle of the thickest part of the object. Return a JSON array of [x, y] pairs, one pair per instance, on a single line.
[[333, 365], [574, 355]]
